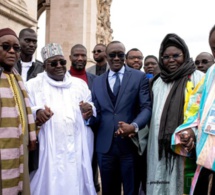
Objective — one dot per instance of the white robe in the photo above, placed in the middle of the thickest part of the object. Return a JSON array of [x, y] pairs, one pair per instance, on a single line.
[[66, 143]]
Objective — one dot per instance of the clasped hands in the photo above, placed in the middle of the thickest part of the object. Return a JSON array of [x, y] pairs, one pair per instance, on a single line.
[[125, 129], [187, 139], [86, 110]]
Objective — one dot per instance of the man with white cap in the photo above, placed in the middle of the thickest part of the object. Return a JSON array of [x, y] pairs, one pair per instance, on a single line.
[[59, 105]]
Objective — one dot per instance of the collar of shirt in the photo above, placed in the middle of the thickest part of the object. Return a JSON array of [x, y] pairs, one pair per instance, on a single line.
[[27, 64], [112, 77], [121, 72]]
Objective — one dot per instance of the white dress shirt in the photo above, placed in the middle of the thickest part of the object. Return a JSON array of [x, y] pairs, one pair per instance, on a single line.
[[25, 67], [112, 77]]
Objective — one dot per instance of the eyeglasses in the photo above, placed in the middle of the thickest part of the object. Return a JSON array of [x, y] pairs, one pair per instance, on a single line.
[[135, 57], [119, 55], [204, 61], [174, 56], [98, 51], [7, 47], [54, 63]]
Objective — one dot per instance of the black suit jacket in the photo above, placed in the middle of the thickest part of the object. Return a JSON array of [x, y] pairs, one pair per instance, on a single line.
[[37, 67], [90, 78]]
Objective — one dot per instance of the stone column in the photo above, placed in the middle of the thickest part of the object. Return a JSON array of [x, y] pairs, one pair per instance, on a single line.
[[70, 22], [104, 31]]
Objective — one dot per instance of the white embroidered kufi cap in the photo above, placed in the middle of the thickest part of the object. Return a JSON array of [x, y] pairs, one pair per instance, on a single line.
[[51, 50]]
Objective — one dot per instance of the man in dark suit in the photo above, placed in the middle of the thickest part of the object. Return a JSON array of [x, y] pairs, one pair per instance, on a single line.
[[121, 97]]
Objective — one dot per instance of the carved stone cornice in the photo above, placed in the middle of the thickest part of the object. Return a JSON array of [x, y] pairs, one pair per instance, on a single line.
[[16, 13], [104, 31], [20, 4], [46, 5]]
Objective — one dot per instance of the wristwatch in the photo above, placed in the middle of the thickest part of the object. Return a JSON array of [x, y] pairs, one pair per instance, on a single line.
[[136, 128]]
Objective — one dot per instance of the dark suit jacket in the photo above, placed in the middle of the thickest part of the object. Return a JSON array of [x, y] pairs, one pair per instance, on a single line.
[[132, 105], [37, 67], [90, 78], [92, 69]]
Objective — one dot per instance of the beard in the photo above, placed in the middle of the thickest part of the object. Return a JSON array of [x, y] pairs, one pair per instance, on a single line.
[[79, 66]]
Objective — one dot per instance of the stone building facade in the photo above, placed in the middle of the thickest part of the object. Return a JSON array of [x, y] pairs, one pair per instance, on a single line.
[[68, 22], [18, 14]]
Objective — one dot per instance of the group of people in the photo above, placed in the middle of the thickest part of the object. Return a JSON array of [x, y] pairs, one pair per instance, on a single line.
[[148, 131]]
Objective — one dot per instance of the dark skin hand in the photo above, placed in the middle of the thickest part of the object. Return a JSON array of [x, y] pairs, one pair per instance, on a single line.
[[86, 110], [43, 115], [32, 145], [187, 138], [125, 129]]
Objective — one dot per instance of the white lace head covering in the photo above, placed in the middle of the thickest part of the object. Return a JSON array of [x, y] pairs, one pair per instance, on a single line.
[[51, 50]]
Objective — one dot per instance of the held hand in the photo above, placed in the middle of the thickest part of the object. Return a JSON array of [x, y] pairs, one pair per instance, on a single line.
[[132, 135], [32, 145], [48, 110], [187, 138], [43, 115], [125, 129], [86, 110]]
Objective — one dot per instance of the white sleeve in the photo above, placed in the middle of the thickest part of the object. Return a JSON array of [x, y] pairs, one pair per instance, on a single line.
[[32, 98], [87, 97]]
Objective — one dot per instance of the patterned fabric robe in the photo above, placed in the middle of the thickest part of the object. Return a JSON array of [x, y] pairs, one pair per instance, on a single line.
[[199, 116], [16, 129]]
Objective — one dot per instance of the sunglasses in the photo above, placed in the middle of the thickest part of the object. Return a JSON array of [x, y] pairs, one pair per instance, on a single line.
[[204, 61], [7, 47], [174, 56], [54, 63], [135, 57], [119, 55], [97, 51]]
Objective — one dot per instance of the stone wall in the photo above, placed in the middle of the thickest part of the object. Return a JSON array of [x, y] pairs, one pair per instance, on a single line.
[[18, 14], [68, 22], [71, 22]]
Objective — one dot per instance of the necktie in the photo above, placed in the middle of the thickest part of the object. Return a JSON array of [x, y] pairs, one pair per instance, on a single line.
[[116, 86]]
